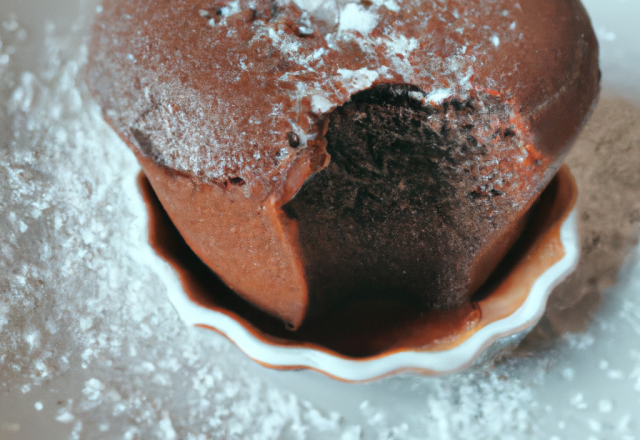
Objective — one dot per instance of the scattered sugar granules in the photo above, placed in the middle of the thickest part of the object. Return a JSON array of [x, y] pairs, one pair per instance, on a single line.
[[84, 319]]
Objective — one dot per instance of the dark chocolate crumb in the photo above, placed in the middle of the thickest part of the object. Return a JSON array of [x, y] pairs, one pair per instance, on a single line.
[[290, 212], [294, 140], [402, 193]]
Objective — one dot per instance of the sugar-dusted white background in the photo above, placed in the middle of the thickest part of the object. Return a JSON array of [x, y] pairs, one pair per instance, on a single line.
[[91, 348]]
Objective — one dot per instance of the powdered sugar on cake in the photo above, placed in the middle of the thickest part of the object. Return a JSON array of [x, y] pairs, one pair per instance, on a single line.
[[282, 68], [354, 17], [355, 81]]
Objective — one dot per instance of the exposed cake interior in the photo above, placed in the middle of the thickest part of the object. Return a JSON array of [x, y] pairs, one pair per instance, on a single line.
[[417, 201]]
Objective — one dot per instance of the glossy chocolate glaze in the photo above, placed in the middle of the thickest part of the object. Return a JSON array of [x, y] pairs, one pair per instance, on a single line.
[[227, 106]]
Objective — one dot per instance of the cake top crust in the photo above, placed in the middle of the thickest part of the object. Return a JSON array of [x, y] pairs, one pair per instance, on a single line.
[[237, 93]]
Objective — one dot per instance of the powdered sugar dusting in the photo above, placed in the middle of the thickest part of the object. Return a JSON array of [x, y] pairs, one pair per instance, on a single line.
[[438, 96], [86, 325], [330, 50], [355, 81], [309, 5], [320, 104], [354, 17], [105, 321]]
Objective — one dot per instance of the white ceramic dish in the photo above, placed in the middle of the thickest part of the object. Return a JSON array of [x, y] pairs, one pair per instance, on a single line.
[[514, 303]]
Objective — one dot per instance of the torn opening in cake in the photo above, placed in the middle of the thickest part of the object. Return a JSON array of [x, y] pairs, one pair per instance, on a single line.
[[413, 196]]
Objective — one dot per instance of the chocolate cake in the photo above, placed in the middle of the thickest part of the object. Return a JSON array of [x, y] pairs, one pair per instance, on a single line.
[[316, 154]]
